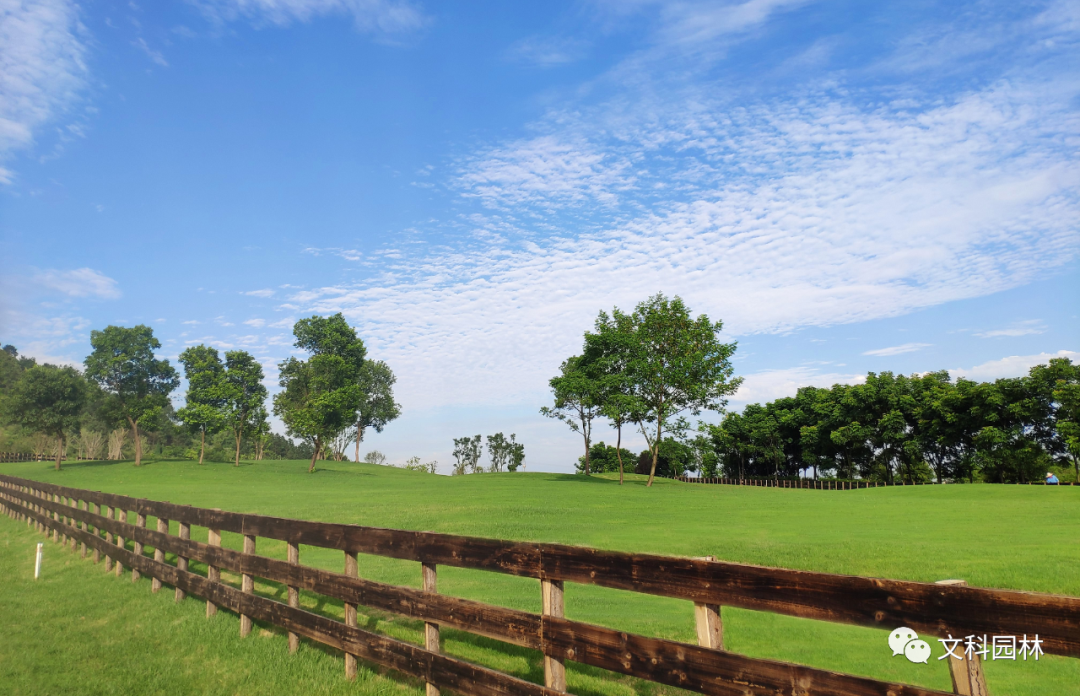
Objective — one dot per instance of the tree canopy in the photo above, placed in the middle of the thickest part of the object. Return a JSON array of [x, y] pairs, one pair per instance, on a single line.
[[206, 393], [48, 399], [138, 384], [320, 396]]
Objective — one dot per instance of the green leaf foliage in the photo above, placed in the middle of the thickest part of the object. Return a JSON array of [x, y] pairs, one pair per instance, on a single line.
[[47, 399], [137, 383]]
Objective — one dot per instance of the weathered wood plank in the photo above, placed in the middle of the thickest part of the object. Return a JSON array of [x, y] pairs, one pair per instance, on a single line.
[[351, 571], [430, 578], [159, 552], [213, 573], [293, 556], [551, 595], [140, 521], [182, 561], [247, 585]]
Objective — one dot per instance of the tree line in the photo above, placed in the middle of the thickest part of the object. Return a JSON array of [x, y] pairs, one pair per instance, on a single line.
[[649, 368], [924, 427], [328, 401]]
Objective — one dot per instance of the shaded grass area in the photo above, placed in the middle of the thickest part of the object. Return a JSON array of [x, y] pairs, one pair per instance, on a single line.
[[1016, 537]]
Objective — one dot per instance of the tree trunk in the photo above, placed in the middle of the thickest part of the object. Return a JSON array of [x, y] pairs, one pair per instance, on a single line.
[[59, 449], [237, 434], [202, 445], [138, 444], [359, 437], [618, 449], [586, 454], [655, 454], [311, 469]]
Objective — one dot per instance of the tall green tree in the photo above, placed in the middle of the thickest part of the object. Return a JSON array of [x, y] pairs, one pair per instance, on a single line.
[[204, 411], [1067, 417], [377, 405], [138, 384], [676, 364], [245, 396], [320, 396], [48, 399], [467, 451], [610, 349], [578, 398]]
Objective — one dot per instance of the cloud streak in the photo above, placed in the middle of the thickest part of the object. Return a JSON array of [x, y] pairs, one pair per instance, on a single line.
[[42, 70], [381, 17], [81, 282]]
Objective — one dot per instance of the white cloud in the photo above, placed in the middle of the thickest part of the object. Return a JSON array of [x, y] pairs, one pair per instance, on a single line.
[[155, 56], [807, 212], [382, 17], [255, 323], [897, 350], [42, 69], [81, 282], [548, 52], [259, 293], [1012, 366], [768, 385], [1023, 328]]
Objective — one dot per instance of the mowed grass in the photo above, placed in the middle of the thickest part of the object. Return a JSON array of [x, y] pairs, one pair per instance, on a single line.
[[78, 630]]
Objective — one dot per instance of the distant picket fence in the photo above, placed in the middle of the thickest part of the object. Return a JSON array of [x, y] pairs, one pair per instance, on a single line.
[[825, 484], [100, 522]]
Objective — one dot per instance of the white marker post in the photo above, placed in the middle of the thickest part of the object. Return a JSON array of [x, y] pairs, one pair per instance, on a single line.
[[37, 563]]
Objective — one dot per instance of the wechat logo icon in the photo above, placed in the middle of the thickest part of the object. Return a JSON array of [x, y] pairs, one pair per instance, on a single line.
[[904, 641]]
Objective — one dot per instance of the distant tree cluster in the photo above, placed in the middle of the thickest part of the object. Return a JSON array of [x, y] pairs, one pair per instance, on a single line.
[[506, 454], [910, 428], [119, 405], [644, 368]]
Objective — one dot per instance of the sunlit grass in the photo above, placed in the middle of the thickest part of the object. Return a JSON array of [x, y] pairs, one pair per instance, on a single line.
[[126, 640]]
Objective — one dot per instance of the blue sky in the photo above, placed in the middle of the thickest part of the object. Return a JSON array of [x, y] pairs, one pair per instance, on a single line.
[[849, 186]]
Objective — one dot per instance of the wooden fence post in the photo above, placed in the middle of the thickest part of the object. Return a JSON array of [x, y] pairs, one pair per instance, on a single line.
[[967, 675], [710, 630], [85, 506], [159, 554], [247, 586], [121, 516], [140, 521], [351, 571], [72, 522], [294, 595], [97, 533], [551, 593], [108, 538], [182, 561], [431, 630], [213, 573], [55, 518]]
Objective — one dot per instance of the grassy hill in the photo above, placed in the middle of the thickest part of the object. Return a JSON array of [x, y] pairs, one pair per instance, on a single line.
[[79, 631]]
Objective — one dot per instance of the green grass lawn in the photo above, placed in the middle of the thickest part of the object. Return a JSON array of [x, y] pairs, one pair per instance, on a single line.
[[77, 630]]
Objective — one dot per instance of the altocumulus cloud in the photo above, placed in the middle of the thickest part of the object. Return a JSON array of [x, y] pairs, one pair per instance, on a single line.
[[81, 282], [42, 69], [813, 210]]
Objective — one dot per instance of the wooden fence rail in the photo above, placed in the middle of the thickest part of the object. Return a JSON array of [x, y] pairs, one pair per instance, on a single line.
[[825, 484], [706, 668]]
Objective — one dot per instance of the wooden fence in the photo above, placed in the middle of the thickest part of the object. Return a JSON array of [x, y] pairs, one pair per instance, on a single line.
[[98, 522], [41, 457], [825, 484]]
